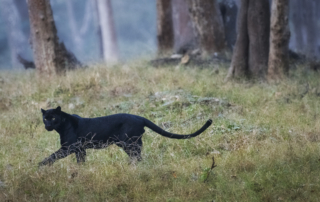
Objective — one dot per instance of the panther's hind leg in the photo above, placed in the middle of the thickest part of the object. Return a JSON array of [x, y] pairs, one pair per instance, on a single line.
[[129, 139], [133, 148]]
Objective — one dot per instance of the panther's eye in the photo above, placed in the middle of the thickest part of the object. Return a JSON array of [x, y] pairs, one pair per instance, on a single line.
[[45, 119], [53, 119]]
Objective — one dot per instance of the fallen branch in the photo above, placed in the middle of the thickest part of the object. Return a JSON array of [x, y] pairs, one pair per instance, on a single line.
[[188, 60], [212, 167]]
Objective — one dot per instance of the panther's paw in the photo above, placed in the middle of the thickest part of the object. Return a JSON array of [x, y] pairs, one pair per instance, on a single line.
[[45, 162], [42, 163]]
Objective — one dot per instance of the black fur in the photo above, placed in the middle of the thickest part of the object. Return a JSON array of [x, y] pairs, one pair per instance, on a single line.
[[78, 134]]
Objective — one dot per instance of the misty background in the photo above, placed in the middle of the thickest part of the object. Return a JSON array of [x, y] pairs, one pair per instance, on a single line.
[[135, 25], [136, 31]]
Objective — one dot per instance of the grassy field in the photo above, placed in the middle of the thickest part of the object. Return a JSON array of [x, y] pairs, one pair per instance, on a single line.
[[265, 138]]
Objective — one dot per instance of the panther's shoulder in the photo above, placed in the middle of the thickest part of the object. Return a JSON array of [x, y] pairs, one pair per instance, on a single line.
[[76, 115]]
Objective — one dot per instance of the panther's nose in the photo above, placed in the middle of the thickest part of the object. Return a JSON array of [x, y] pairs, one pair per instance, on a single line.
[[49, 128]]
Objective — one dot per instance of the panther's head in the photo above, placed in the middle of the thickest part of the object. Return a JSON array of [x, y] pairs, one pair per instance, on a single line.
[[52, 118]]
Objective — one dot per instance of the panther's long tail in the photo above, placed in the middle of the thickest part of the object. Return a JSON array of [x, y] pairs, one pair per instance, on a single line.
[[164, 133]]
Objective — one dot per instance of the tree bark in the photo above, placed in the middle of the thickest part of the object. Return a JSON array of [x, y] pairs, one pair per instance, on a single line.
[[279, 40], [239, 63], [108, 32], [184, 36], [50, 56], [207, 19], [165, 27], [250, 56], [259, 33]]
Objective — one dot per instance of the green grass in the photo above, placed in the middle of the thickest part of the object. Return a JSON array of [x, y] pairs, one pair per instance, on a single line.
[[265, 138]]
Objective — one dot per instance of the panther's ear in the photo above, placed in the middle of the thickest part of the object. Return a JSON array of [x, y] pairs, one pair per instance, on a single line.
[[43, 111], [58, 109]]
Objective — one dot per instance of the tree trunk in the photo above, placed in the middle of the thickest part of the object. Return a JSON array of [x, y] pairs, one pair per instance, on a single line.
[[76, 38], [165, 27], [17, 40], [239, 63], [78, 30], [97, 27], [317, 16], [50, 56], [317, 7], [279, 40], [207, 19], [184, 37], [305, 24], [296, 9], [311, 28], [229, 12], [108, 32], [259, 32], [250, 56]]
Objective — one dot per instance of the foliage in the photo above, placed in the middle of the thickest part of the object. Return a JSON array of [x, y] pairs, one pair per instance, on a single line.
[[264, 139]]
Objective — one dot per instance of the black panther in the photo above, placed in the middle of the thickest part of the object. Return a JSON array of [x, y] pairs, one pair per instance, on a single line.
[[78, 134]]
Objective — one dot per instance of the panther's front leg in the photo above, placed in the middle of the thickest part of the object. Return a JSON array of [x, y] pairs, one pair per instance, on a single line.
[[61, 153]]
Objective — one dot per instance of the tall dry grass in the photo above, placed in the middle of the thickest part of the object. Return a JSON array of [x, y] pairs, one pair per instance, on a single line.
[[265, 138]]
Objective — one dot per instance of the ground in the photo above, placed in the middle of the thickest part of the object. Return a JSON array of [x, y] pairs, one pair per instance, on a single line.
[[264, 138]]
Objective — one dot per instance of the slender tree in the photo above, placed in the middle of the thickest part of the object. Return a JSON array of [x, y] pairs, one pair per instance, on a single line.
[[304, 16], [97, 27], [311, 27], [165, 34], [229, 12], [108, 32], [50, 56], [279, 40], [239, 63], [208, 22], [296, 12], [250, 57], [78, 31]]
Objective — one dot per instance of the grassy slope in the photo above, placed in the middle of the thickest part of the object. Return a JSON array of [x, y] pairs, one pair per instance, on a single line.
[[266, 144]]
